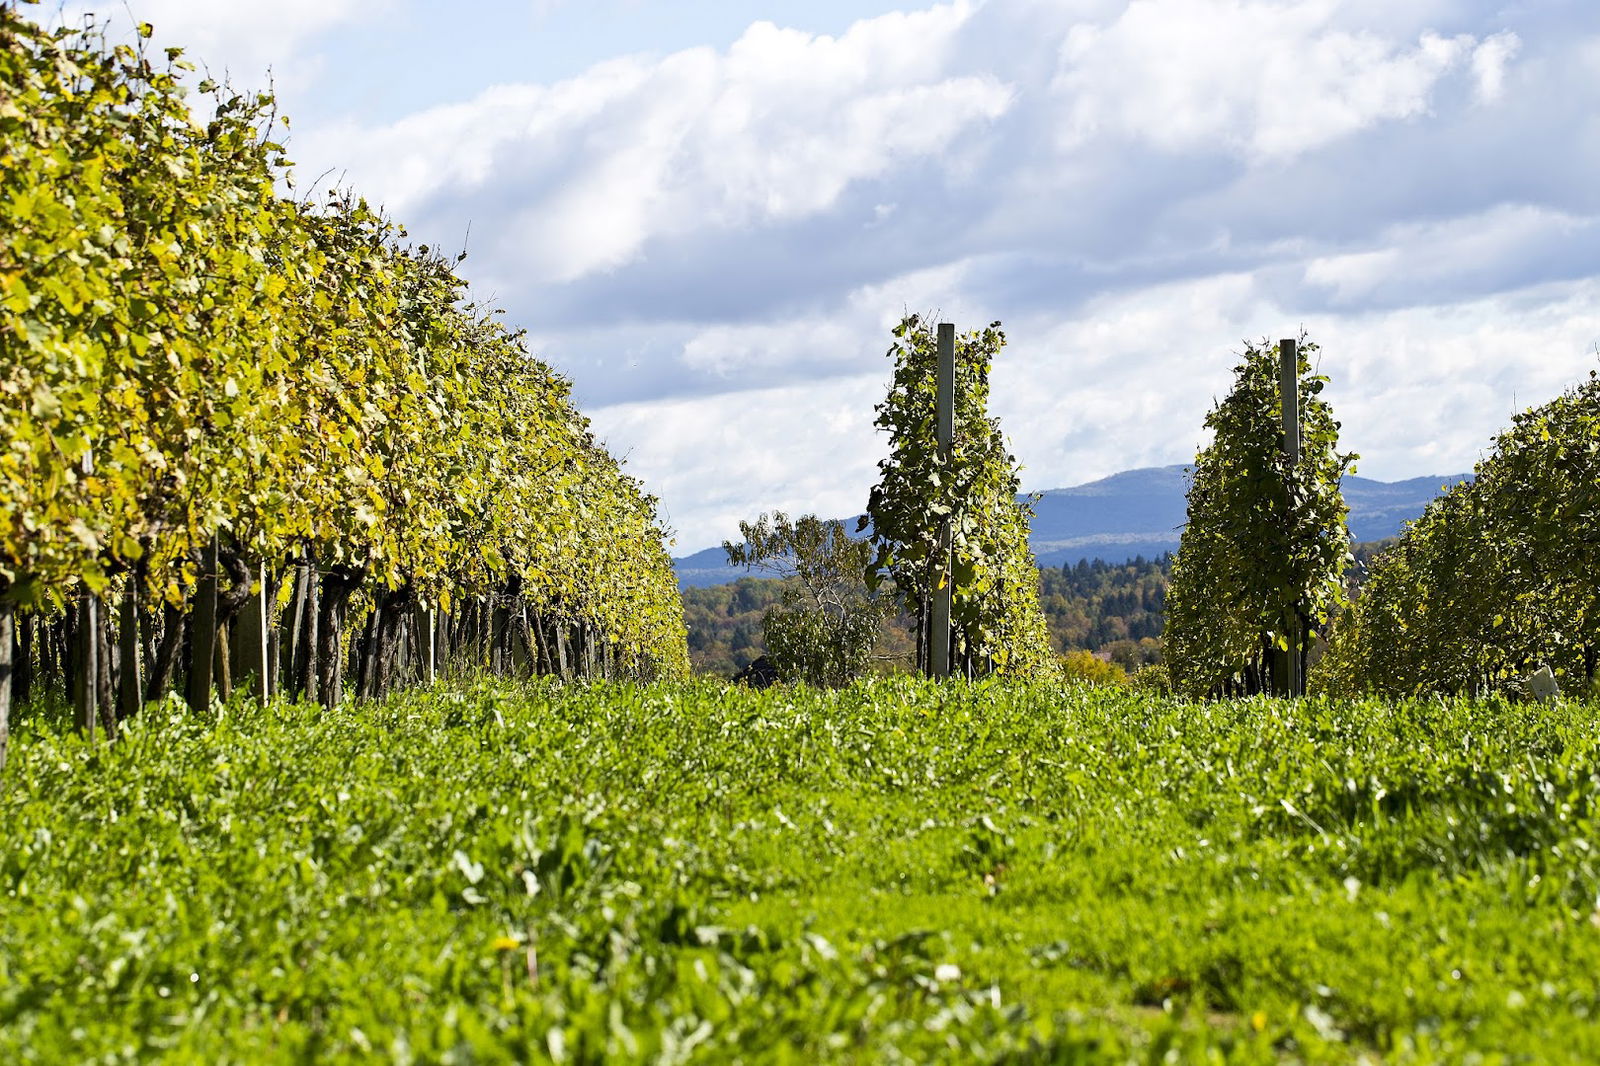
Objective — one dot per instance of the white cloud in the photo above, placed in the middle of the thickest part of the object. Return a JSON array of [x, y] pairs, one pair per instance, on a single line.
[[1263, 78], [1127, 382], [1133, 186], [587, 171], [718, 460], [1419, 389], [1459, 254], [848, 337], [1489, 61], [1354, 275]]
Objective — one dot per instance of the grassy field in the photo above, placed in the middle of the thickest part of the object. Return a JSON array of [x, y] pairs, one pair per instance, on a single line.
[[896, 873]]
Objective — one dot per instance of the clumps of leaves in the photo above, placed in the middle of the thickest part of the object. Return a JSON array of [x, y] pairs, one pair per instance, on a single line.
[[1259, 570], [1497, 578], [190, 356], [995, 616]]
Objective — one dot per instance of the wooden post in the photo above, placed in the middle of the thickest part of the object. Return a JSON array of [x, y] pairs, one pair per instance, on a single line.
[[295, 622], [86, 693], [105, 681], [945, 425], [520, 642], [25, 630], [274, 654], [442, 650], [364, 656], [481, 617], [1289, 394], [86, 685], [426, 646], [499, 642], [306, 661], [130, 685], [203, 633], [251, 640], [8, 663], [222, 660]]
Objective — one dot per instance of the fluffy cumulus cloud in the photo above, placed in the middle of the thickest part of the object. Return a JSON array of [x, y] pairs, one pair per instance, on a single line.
[[1489, 62], [1419, 389], [713, 242], [1440, 261], [584, 175], [718, 460], [1266, 78]]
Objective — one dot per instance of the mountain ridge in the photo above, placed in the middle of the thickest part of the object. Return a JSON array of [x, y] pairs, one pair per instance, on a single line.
[[1138, 512]]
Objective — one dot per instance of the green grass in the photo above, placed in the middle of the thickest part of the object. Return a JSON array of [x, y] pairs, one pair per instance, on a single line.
[[896, 873]]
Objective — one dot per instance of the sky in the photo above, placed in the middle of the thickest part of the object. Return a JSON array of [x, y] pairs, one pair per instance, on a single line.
[[708, 214]]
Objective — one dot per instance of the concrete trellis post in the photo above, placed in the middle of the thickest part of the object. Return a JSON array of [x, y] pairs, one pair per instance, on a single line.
[[943, 591], [1289, 393]]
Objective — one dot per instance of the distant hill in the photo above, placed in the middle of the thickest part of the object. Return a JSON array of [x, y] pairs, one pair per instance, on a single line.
[[1139, 512], [1142, 512]]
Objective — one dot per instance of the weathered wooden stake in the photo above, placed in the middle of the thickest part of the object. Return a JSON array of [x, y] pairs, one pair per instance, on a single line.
[[295, 623], [130, 685], [1289, 394], [423, 628], [203, 633], [24, 675], [253, 622], [86, 688], [306, 685], [500, 638], [945, 424], [8, 663], [105, 682], [86, 696], [222, 660], [442, 650]]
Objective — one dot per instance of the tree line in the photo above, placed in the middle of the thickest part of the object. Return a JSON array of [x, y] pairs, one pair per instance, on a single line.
[[235, 416], [1111, 608]]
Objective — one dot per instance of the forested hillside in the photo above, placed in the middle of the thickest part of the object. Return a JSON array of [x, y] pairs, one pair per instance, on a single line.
[[1094, 605], [724, 623], [1113, 608]]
